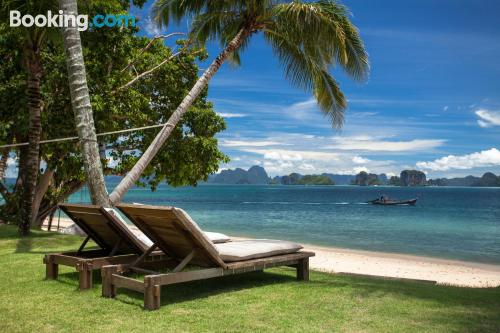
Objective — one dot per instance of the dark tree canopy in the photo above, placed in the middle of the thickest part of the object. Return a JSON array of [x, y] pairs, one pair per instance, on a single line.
[[189, 156]]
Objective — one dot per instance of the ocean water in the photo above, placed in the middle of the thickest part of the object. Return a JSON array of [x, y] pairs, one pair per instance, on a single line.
[[447, 222]]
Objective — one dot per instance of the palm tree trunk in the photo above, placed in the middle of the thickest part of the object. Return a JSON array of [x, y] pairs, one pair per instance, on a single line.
[[82, 109], [134, 174], [34, 98]]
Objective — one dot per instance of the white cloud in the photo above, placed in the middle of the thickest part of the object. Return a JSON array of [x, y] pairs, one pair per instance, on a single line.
[[283, 153], [488, 118], [485, 158], [282, 156], [303, 110], [284, 161], [293, 155], [361, 114], [151, 27], [360, 169], [231, 115], [306, 167], [367, 143], [305, 105], [249, 143], [360, 160]]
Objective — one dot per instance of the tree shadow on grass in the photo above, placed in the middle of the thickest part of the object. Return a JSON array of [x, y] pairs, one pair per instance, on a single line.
[[10, 232], [447, 295], [70, 279], [196, 290], [469, 303], [73, 279], [26, 245], [466, 308], [43, 240], [36, 238]]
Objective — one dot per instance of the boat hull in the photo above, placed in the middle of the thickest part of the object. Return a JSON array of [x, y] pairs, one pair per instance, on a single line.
[[411, 202]]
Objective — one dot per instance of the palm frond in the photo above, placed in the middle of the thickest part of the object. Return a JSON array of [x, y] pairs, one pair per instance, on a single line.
[[214, 26], [165, 10], [309, 38], [311, 74], [323, 29]]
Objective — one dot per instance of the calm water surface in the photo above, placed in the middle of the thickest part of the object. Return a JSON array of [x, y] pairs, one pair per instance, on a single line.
[[447, 222]]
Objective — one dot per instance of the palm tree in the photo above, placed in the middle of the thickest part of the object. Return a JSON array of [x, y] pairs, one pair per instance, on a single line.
[[82, 109], [307, 38], [34, 38]]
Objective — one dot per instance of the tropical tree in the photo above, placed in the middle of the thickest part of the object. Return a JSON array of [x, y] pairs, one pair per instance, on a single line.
[[82, 108], [307, 38], [190, 155], [33, 41]]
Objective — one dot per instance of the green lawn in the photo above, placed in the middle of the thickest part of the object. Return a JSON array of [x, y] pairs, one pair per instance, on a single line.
[[272, 301]]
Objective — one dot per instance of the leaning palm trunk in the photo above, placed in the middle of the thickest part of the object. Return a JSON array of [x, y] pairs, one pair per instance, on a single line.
[[134, 174], [34, 67], [82, 109]]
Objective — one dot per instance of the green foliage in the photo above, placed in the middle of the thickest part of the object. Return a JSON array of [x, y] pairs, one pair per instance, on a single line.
[[488, 179], [366, 179], [307, 38], [272, 301], [315, 180], [291, 179], [190, 155], [395, 181], [12, 86], [412, 178]]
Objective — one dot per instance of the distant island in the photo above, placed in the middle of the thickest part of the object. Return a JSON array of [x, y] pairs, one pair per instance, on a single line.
[[254, 175], [257, 175], [297, 179]]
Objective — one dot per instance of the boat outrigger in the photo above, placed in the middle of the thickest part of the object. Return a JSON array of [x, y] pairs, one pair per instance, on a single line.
[[389, 202]]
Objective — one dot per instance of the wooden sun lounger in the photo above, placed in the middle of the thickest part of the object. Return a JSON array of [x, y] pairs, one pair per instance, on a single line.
[[118, 245], [177, 235]]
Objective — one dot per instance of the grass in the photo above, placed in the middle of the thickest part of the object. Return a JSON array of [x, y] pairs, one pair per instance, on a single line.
[[272, 301]]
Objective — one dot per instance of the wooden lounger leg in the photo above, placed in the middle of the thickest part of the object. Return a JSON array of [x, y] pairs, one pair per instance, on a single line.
[[51, 269], [108, 288], [152, 293], [303, 269], [85, 275]]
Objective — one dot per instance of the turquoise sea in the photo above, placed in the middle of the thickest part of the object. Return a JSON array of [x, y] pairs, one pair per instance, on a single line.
[[447, 222]]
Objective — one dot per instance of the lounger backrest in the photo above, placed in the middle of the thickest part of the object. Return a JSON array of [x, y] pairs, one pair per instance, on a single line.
[[174, 232], [120, 226], [99, 228]]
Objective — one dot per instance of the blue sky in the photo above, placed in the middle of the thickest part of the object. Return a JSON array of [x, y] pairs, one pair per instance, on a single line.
[[432, 101]]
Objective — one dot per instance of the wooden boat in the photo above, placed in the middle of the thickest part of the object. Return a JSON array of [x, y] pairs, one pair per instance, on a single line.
[[390, 202]]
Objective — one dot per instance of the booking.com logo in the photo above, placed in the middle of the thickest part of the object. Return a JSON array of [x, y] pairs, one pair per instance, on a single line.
[[62, 20]]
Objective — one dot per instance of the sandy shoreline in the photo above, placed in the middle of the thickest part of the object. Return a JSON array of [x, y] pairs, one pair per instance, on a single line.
[[389, 265]]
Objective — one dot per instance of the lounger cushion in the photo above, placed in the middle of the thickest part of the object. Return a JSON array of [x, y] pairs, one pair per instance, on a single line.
[[254, 249], [217, 237], [214, 237]]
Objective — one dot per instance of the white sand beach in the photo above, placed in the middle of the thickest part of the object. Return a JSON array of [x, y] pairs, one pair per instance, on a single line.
[[386, 265]]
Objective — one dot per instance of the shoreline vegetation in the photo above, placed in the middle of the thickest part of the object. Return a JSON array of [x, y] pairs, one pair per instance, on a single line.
[[383, 264], [257, 175]]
